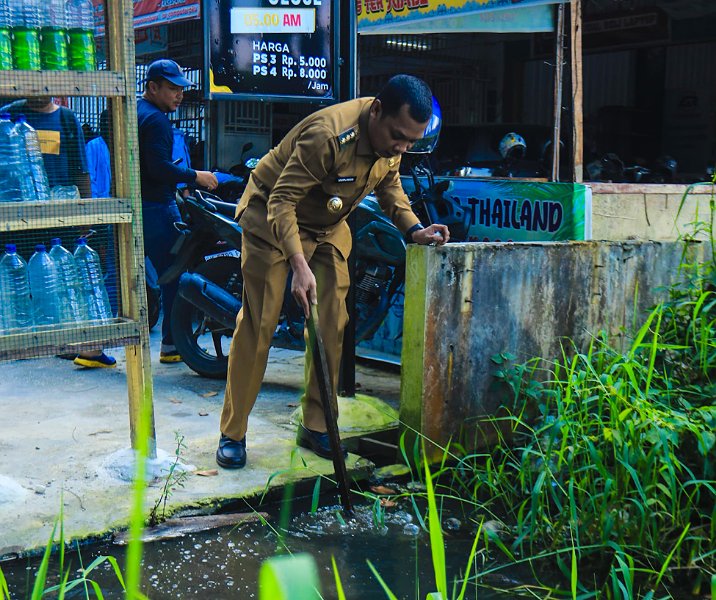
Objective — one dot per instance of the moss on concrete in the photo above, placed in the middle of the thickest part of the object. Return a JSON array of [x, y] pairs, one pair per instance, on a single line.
[[391, 471], [362, 414]]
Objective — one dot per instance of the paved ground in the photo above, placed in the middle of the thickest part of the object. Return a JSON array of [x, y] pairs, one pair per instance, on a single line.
[[64, 437]]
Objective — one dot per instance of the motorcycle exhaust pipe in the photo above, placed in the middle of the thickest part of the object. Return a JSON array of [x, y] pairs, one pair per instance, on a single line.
[[208, 297]]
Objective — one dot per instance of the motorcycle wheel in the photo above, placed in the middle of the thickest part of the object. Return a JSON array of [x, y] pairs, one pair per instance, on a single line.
[[202, 342]]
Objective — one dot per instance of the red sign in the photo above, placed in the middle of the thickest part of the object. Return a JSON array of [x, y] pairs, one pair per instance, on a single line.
[[152, 12]]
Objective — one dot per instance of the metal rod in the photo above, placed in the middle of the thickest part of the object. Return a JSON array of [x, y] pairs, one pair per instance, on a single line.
[[326, 391], [558, 84]]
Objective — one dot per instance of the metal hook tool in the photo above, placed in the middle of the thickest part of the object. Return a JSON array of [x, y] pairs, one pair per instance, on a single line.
[[325, 389]]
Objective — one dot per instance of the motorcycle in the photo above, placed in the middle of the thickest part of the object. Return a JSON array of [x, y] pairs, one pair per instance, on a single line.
[[232, 184], [610, 168], [231, 187], [208, 264]]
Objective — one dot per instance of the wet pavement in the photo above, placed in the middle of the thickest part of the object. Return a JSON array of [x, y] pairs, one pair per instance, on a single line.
[[64, 438]]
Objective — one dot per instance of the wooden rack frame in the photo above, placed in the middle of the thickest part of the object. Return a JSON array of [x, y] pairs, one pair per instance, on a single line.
[[124, 212]]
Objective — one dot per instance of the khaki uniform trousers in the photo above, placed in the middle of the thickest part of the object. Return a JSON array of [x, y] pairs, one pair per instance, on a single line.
[[265, 271]]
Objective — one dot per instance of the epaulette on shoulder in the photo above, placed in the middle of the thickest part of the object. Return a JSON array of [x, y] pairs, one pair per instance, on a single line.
[[348, 136]]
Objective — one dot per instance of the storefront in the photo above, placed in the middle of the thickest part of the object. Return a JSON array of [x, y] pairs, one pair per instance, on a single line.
[[647, 65], [636, 119]]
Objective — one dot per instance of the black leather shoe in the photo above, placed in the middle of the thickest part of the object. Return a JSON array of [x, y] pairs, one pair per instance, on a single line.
[[231, 454], [316, 441]]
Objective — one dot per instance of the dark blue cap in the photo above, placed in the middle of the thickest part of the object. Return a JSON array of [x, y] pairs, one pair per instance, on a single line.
[[55, 242], [165, 68], [40, 248], [10, 248]]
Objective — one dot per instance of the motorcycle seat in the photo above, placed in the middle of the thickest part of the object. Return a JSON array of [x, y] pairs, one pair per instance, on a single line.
[[225, 208]]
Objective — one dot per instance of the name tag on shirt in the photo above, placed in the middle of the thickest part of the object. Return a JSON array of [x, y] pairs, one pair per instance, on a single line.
[[345, 179], [49, 141]]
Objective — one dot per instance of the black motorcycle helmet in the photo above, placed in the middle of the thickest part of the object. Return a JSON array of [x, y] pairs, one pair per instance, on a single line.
[[667, 165], [429, 141]]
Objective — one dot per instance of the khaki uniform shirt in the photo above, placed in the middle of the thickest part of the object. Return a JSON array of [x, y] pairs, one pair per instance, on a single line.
[[327, 154]]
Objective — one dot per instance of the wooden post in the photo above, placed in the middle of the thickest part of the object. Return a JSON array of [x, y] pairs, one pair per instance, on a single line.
[[577, 106], [347, 81], [120, 47], [558, 85]]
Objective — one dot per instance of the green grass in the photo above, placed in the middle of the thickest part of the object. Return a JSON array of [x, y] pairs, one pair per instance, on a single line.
[[619, 456], [603, 483], [42, 586]]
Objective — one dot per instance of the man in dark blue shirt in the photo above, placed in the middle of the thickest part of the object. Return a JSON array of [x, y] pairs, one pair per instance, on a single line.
[[163, 93]]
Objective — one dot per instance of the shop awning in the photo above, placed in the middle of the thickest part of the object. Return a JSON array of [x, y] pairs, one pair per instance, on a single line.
[[446, 16]]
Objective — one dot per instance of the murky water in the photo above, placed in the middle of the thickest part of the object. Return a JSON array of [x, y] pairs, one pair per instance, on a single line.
[[224, 563]]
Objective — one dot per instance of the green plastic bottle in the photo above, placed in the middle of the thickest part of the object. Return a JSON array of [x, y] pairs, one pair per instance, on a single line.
[[80, 25], [53, 36], [5, 49], [26, 34], [5, 35]]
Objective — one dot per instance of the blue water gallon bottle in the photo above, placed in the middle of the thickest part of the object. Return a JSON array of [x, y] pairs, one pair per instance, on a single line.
[[35, 162], [73, 308], [92, 289], [15, 173], [15, 309], [44, 283]]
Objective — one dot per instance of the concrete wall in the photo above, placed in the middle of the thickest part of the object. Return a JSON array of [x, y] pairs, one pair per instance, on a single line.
[[467, 302], [646, 212]]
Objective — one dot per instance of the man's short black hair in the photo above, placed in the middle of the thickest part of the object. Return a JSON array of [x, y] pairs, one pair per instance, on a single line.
[[406, 89]]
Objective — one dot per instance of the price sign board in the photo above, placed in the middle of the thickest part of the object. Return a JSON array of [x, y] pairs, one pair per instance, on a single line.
[[271, 49]]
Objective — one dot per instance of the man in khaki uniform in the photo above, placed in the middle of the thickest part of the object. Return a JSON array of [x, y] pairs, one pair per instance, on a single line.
[[293, 214]]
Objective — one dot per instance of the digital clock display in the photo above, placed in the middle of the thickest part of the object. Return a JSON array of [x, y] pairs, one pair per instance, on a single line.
[[267, 48]]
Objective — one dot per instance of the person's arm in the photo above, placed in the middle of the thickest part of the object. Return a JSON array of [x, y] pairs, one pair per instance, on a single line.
[[77, 160], [93, 165], [155, 148], [395, 203], [82, 181], [303, 283], [436, 234], [82, 178], [206, 179], [312, 158]]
